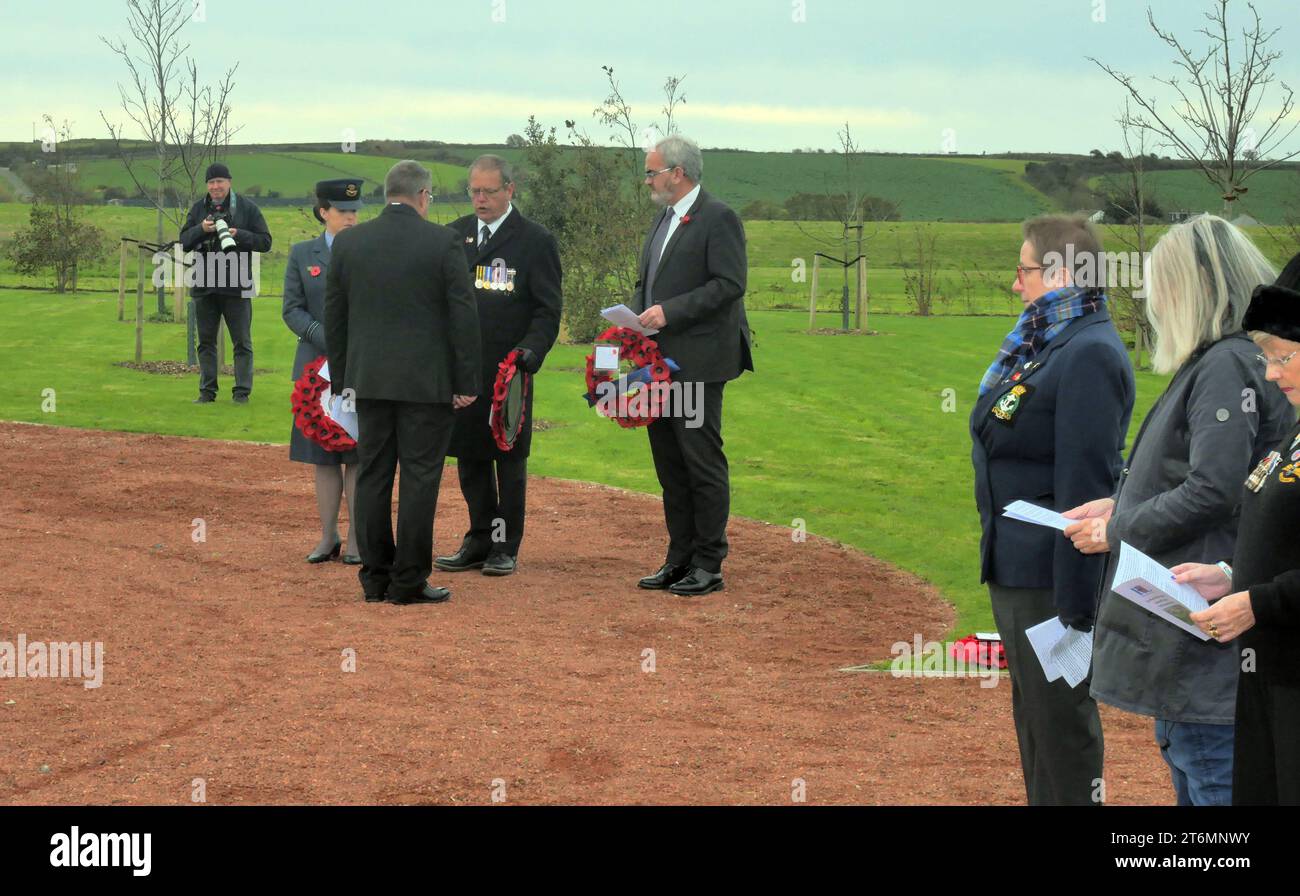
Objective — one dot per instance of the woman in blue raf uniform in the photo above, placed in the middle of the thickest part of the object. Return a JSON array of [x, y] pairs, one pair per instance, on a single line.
[[1256, 600], [1048, 428], [337, 202]]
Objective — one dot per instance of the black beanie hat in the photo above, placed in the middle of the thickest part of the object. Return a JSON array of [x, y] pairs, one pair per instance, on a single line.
[[217, 169], [1275, 309]]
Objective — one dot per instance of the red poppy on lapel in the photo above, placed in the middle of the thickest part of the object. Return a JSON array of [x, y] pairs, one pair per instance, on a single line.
[[686, 219], [314, 270]]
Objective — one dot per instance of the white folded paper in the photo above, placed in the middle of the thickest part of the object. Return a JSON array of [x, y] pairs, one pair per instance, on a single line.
[[1039, 516], [623, 316], [1062, 651], [332, 405], [1152, 587]]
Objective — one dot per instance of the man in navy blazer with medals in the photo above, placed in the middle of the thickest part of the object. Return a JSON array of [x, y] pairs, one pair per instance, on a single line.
[[518, 290], [693, 271], [401, 329]]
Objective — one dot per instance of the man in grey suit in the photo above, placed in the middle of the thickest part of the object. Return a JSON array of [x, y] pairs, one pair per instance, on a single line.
[[692, 285], [402, 333]]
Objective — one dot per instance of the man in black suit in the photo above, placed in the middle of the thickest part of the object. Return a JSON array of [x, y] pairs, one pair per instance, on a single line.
[[692, 283], [518, 308], [402, 334]]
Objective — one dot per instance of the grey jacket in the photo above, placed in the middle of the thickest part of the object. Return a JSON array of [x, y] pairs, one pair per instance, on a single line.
[[1179, 501]]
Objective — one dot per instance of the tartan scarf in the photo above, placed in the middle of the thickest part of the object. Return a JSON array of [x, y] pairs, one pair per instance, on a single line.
[[1038, 325]]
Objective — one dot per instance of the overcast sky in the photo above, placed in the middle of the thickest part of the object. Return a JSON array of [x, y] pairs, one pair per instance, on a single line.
[[908, 75]]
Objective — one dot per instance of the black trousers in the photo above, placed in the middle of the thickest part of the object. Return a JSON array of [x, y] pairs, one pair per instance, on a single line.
[[1266, 751], [238, 312], [1058, 726], [495, 492], [693, 473], [414, 435]]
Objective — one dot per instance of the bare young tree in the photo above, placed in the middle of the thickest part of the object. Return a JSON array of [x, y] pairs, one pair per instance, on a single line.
[[1220, 89], [186, 123], [1129, 197], [616, 112]]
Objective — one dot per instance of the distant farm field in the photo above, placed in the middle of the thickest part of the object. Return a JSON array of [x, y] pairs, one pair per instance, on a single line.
[[975, 262]]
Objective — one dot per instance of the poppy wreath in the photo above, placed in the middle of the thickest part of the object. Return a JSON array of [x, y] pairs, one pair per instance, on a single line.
[[642, 352], [310, 417], [507, 370], [986, 654]]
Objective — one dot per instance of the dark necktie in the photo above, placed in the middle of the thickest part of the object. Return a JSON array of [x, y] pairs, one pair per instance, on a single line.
[[656, 249], [484, 235]]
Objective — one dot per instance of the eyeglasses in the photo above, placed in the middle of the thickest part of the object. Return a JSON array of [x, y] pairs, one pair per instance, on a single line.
[[1021, 270], [651, 175], [1280, 362], [483, 191]]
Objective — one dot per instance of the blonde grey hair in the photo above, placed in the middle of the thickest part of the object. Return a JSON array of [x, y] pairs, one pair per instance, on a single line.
[[1199, 282], [406, 179], [683, 152]]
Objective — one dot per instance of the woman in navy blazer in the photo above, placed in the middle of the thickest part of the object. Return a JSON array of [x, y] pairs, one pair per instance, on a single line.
[[1048, 428], [337, 202]]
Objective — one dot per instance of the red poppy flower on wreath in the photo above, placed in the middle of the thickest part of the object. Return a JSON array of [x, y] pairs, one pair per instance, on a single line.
[[642, 352], [314, 270], [507, 370], [310, 417]]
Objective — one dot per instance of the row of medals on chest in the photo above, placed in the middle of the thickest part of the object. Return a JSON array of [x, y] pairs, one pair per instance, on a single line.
[[1288, 475]]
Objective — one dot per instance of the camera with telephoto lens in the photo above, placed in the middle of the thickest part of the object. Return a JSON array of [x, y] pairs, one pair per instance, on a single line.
[[218, 218]]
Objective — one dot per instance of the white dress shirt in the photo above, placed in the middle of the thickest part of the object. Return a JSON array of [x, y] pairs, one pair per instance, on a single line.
[[680, 207]]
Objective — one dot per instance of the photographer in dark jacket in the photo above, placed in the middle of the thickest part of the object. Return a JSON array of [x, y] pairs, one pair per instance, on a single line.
[[223, 231]]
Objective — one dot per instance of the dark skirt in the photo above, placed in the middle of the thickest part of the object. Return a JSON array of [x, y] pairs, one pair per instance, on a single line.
[[304, 450]]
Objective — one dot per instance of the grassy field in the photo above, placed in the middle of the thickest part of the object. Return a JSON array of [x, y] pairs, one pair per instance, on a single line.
[[925, 189], [874, 461], [289, 174], [1274, 196], [974, 269]]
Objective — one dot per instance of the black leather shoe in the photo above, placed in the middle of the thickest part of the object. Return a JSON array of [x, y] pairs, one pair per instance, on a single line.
[[239, 399], [321, 558], [462, 560], [664, 578], [377, 598], [205, 399], [698, 582], [498, 564], [351, 559], [428, 595]]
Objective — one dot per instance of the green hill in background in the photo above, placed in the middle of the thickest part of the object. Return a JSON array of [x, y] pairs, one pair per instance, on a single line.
[[289, 174], [956, 189]]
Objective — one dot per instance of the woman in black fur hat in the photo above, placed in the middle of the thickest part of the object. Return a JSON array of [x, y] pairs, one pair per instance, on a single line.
[[1256, 600]]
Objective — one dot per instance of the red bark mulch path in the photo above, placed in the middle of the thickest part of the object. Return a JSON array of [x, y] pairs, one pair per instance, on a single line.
[[223, 659]]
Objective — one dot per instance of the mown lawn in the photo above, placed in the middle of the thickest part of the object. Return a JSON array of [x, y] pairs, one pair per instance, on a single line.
[[847, 433]]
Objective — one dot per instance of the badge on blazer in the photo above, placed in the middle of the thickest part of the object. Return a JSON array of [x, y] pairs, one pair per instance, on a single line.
[[1288, 474], [1007, 406], [1264, 470]]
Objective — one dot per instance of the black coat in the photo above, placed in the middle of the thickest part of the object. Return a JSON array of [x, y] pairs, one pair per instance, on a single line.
[[526, 317], [700, 282], [252, 235], [1062, 447], [400, 317]]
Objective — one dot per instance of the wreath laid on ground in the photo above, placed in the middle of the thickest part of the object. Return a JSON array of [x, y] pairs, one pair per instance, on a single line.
[[507, 370], [649, 371], [309, 414]]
